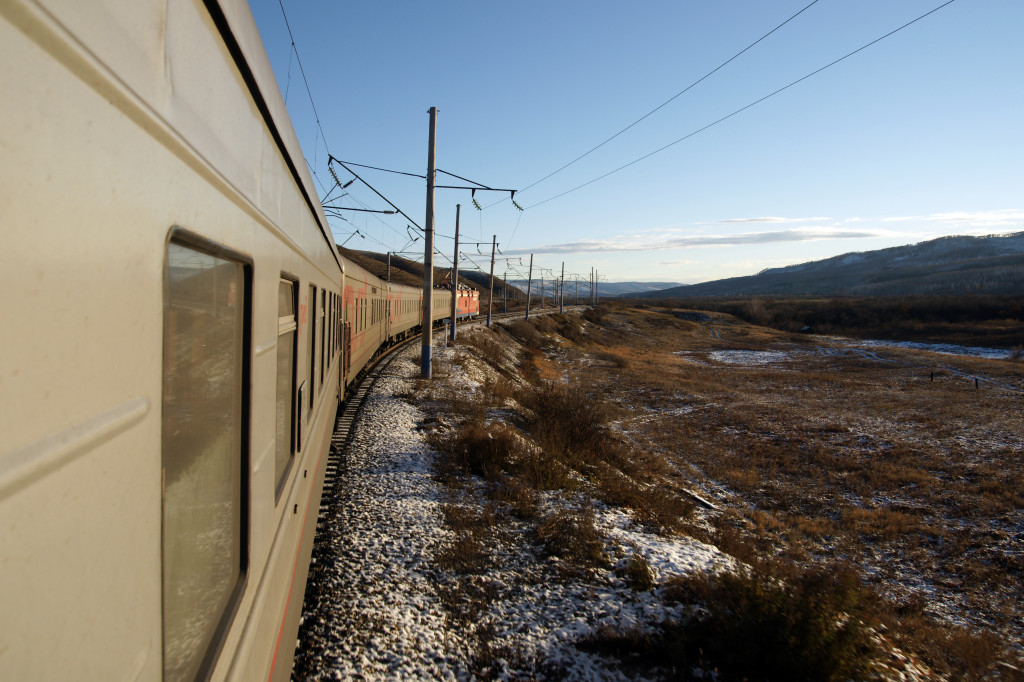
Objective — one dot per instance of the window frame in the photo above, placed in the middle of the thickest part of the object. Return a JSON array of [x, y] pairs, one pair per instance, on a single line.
[[295, 411], [191, 240], [311, 327]]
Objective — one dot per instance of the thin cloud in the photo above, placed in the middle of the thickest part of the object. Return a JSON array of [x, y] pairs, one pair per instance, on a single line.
[[998, 218], [666, 244], [675, 263], [773, 220]]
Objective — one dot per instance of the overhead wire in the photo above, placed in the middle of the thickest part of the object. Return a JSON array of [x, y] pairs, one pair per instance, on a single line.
[[672, 98], [309, 92], [330, 158], [744, 108]]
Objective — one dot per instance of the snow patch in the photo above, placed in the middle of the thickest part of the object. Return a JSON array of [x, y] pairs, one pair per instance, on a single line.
[[748, 357]]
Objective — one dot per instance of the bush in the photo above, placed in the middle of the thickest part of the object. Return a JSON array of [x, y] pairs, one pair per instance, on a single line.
[[525, 333], [757, 627], [488, 347], [570, 534], [637, 573], [484, 450], [565, 420], [754, 627]]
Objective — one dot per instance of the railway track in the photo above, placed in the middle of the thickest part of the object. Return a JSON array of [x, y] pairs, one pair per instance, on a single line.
[[349, 410]]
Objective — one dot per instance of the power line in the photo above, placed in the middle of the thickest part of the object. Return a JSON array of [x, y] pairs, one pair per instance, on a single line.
[[672, 98], [383, 170], [742, 109], [343, 165], [298, 60]]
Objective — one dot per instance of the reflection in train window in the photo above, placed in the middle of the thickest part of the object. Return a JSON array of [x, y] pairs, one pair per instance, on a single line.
[[286, 349], [311, 310], [204, 455], [323, 334]]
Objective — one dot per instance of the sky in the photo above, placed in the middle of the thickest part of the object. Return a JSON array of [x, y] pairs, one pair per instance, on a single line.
[[917, 136]]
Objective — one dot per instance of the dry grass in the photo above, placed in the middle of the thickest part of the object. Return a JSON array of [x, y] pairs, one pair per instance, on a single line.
[[754, 626], [569, 534], [895, 462], [901, 466]]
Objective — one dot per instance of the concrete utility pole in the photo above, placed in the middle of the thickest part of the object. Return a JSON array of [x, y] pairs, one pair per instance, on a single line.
[[428, 251], [389, 267], [529, 286], [455, 274], [597, 288], [561, 291], [504, 292], [542, 290], [490, 294]]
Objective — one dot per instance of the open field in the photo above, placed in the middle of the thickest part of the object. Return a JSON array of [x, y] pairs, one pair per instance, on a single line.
[[979, 320], [880, 489]]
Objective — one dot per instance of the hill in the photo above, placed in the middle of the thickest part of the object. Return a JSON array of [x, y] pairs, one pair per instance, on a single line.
[[605, 289], [947, 265], [405, 271]]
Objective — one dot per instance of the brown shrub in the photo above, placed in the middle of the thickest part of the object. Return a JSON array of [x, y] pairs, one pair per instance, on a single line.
[[637, 573], [487, 346], [804, 626], [539, 470], [564, 419], [569, 533], [525, 333], [521, 498], [484, 449], [473, 528]]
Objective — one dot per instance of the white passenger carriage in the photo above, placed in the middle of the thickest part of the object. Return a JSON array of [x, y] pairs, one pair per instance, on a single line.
[[178, 331], [172, 346], [365, 298]]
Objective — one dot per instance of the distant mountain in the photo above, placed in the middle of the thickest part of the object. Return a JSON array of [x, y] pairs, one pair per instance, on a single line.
[[948, 265], [633, 288], [605, 289]]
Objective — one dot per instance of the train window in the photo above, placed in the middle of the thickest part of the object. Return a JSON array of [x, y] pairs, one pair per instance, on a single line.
[[311, 306], [330, 352], [323, 333], [286, 348], [204, 454]]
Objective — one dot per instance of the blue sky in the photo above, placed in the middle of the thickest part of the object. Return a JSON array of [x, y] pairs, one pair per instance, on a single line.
[[917, 136]]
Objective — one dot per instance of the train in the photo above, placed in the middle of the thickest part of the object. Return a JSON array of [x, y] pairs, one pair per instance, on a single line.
[[179, 330]]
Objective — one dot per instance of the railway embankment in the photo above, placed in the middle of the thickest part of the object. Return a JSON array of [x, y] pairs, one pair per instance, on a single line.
[[529, 512]]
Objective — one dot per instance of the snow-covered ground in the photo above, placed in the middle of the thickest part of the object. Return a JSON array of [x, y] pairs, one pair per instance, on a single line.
[[375, 609], [944, 348], [748, 357], [838, 344]]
